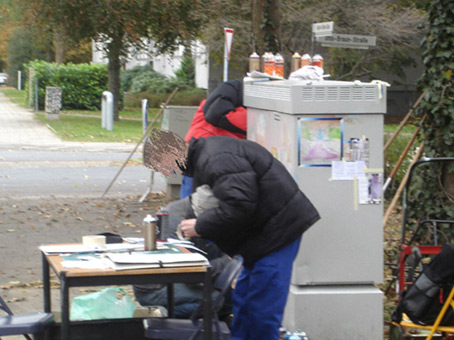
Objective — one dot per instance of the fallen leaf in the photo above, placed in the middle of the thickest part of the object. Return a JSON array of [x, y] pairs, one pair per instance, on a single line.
[[16, 299]]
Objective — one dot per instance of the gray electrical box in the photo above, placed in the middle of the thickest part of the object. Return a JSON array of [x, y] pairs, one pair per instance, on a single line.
[[177, 119], [329, 135]]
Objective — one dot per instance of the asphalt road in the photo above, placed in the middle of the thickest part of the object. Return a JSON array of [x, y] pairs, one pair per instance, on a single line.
[[37, 173]]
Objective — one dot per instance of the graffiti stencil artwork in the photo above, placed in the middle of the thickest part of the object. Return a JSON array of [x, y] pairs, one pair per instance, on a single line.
[[319, 141]]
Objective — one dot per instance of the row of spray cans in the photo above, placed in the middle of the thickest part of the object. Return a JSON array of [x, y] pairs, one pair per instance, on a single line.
[[299, 61], [272, 65]]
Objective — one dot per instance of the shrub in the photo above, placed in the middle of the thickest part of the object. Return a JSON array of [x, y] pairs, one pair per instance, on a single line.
[[191, 97], [142, 82], [151, 81], [127, 76], [186, 73], [434, 196], [82, 84]]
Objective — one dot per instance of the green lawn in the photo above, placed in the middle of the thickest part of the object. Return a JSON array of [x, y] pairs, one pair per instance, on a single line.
[[16, 96], [88, 129], [85, 126]]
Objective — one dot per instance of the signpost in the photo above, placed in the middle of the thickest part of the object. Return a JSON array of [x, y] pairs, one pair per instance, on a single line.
[[321, 29], [228, 33], [347, 41]]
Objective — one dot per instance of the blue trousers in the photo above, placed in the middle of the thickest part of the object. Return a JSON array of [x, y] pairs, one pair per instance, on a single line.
[[260, 295], [186, 187]]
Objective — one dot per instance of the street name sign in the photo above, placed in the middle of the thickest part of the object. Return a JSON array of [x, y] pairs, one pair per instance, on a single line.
[[322, 29], [347, 41]]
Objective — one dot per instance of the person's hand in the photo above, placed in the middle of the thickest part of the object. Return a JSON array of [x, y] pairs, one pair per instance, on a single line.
[[188, 228]]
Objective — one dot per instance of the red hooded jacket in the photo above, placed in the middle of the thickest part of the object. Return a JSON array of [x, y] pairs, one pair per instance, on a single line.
[[221, 114]]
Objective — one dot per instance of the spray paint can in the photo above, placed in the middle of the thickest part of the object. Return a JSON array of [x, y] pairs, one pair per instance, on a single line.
[[279, 66], [295, 64], [317, 60], [254, 62], [355, 150], [306, 60], [269, 63], [262, 62], [149, 232], [364, 147], [163, 224]]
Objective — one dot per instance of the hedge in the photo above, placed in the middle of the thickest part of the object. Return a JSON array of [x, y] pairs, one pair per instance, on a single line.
[[82, 84]]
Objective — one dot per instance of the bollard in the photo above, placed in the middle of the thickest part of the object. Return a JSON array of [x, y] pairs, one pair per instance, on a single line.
[[19, 80], [36, 95], [107, 111], [144, 115]]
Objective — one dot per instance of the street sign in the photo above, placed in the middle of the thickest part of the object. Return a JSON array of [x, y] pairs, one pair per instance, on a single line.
[[228, 40], [228, 33], [323, 29], [347, 41]]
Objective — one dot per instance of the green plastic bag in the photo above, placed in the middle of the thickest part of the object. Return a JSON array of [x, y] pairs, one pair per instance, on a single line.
[[109, 303]]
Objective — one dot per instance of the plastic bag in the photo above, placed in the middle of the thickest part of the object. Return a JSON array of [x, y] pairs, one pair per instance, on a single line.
[[109, 303]]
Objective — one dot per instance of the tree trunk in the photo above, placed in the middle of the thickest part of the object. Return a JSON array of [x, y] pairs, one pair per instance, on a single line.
[[258, 34], [275, 16], [114, 74], [266, 25]]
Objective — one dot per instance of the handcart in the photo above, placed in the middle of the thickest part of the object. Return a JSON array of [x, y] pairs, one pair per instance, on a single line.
[[420, 244]]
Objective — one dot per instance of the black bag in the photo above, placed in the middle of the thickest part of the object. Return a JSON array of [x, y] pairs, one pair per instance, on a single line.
[[423, 300]]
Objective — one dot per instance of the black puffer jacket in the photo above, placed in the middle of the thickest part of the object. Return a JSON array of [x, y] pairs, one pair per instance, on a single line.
[[261, 207]]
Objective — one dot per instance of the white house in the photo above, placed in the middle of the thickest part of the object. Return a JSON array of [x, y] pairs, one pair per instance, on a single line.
[[163, 63]]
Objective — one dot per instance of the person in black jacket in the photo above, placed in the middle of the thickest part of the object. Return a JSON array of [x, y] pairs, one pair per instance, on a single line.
[[221, 114], [262, 215]]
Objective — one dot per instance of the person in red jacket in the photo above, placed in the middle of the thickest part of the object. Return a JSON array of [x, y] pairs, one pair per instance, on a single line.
[[221, 114]]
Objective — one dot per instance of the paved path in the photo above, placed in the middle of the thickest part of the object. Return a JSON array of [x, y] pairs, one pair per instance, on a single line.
[[19, 129], [34, 162]]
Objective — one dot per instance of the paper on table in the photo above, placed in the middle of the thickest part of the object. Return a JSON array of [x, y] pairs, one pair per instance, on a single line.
[[80, 248], [91, 264], [184, 244], [153, 260]]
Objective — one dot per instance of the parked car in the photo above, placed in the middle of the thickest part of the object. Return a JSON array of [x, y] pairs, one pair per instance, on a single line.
[[3, 78]]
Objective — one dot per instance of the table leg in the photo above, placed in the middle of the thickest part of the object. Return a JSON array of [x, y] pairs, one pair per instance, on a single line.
[[46, 284], [207, 310], [170, 300], [64, 297]]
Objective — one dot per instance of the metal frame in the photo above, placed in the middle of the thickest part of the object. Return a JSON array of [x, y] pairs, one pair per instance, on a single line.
[[67, 282], [406, 248]]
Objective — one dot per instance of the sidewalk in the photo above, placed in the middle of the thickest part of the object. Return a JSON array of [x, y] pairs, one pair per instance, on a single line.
[[19, 129]]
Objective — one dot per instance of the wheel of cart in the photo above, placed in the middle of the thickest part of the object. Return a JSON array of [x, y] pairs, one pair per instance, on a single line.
[[423, 233]]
